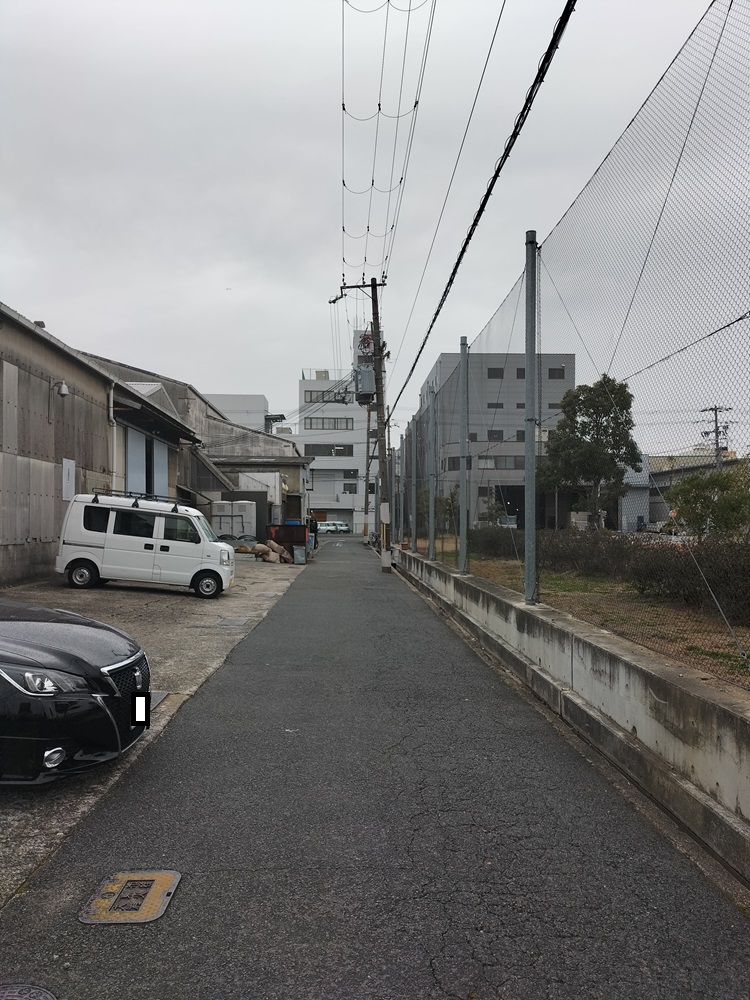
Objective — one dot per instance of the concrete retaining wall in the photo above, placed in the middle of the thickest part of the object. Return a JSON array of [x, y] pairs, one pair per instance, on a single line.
[[681, 735]]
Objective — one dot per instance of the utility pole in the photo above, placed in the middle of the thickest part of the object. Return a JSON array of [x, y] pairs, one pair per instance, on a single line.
[[717, 431], [383, 514], [385, 492], [367, 475]]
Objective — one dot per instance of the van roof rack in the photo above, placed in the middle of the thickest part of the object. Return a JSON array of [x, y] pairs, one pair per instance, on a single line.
[[137, 496]]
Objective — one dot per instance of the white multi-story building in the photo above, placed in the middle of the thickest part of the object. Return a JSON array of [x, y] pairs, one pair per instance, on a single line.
[[333, 429], [340, 434]]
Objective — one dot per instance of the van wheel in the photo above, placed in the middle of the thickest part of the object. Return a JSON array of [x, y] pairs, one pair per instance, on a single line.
[[207, 585], [82, 575]]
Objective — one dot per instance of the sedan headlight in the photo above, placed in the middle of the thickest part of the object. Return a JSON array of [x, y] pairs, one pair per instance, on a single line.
[[44, 682]]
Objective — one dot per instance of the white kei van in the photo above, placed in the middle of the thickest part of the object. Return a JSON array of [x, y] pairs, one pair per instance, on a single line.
[[154, 541]]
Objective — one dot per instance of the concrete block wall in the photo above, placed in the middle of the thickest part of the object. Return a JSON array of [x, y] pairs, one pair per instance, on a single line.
[[680, 734]]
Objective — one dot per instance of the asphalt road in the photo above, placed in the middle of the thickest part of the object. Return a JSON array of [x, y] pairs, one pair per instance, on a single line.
[[361, 808]]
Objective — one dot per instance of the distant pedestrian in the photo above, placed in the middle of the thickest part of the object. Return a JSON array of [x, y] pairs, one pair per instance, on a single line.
[[314, 531]]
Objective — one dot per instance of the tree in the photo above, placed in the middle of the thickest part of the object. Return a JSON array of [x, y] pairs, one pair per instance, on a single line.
[[592, 445], [714, 502]]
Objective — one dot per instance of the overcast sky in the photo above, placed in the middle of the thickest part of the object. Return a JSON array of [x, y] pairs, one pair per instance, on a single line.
[[171, 170]]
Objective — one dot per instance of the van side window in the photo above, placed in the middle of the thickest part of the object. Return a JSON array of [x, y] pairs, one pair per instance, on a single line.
[[95, 518], [179, 529], [133, 522]]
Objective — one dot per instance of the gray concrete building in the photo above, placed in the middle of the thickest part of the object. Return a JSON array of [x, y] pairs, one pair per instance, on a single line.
[[69, 426], [497, 428]]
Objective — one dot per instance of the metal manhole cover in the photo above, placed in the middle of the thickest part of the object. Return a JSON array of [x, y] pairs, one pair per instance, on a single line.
[[130, 898], [25, 993]]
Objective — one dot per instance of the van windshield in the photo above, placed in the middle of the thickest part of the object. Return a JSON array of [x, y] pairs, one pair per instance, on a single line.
[[207, 530]]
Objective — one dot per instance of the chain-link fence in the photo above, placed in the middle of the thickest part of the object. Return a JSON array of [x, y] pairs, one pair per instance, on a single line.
[[643, 313]]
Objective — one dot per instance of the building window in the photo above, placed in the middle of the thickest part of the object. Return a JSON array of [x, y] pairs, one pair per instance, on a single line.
[[520, 373], [349, 488], [486, 463], [520, 435], [454, 464], [483, 491], [495, 372], [329, 450], [328, 396], [554, 406], [329, 423], [494, 406], [373, 434], [371, 488], [472, 436], [494, 435], [351, 473], [556, 373], [520, 406], [510, 462]]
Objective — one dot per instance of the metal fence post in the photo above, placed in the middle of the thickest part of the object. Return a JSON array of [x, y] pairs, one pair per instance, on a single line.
[[530, 581], [463, 491], [402, 471], [432, 473], [413, 512]]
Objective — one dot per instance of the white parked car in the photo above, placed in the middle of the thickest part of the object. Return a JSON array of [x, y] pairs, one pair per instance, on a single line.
[[333, 528], [108, 537]]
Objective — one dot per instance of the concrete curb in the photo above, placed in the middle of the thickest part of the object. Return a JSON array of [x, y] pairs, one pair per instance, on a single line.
[[723, 832]]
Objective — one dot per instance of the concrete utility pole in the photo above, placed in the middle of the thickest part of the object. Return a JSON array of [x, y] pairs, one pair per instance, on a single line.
[[385, 491], [367, 476], [530, 582], [383, 515], [717, 431]]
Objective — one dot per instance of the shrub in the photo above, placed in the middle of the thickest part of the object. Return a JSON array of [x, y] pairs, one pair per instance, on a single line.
[[499, 543], [689, 574]]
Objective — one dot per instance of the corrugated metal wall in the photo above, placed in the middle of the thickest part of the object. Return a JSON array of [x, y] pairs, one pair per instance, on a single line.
[[38, 429]]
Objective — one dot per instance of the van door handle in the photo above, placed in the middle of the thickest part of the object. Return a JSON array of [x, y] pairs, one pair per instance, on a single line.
[[148, 545], [164, 548]]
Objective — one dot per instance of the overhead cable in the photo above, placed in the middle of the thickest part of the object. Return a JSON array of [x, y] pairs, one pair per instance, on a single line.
[[452, 177], [510, 143]]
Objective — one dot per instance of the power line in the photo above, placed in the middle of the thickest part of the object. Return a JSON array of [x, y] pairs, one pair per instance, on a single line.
[[510, 143], [389, 226], [452, 178], [669, 188]]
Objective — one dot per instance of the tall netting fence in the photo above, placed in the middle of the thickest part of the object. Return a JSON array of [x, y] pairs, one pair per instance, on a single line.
[[643, 313]]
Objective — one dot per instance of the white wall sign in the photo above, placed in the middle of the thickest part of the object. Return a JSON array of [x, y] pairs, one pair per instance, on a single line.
[[68, 478]]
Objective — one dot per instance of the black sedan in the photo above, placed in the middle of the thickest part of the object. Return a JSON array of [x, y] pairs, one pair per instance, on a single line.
[[66, 685]]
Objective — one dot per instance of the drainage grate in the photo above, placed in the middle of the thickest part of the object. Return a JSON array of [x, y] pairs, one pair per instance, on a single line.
[[130, 898], [25, 993]]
